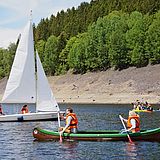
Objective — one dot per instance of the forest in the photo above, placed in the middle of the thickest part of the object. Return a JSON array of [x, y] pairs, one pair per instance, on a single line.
[[95, 36]]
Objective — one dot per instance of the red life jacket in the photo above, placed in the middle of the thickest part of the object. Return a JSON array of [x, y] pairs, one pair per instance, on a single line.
[[1, 111], [24, 110], [74, 121], [129, 125]]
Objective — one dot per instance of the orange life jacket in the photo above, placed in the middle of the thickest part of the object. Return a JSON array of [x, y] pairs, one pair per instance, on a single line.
[[129, 125], [74, 121]]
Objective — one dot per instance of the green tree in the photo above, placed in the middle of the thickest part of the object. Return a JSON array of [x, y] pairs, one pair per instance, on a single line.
[[40, 46], [51, 55], [76, 57], [152, 43], [63, 56], [135, 37], [119, 59], [42, 30], [8, 56], [2, 71], [62, 41], [118, 51], [92, 59]]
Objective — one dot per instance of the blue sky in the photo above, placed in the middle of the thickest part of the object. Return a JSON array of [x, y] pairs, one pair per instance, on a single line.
[[14, 14]]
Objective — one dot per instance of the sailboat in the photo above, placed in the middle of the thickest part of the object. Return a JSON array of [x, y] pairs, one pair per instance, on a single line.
[[28, 84]]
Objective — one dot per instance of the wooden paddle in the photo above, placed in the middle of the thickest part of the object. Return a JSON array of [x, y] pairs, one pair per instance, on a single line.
[[59, 124], [125, 129]]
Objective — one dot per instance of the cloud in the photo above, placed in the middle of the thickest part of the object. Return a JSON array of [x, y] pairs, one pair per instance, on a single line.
[[14, 14], [8, 36], [19, 9]]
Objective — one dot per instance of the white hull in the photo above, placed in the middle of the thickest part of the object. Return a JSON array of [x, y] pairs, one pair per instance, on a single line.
[[40, 116]]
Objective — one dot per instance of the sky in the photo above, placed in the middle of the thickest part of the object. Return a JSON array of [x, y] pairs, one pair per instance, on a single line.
[[14, 15]]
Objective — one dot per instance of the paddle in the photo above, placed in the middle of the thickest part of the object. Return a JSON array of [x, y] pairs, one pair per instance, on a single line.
[[59, 124], [125, 129]]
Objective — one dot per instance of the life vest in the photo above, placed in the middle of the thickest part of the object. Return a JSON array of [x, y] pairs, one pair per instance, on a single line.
[[1, 111], [24, 110], [74, 121], [129, 125]]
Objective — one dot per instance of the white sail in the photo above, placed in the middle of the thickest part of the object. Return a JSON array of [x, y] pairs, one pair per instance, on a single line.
[[45, 98], [21, 84]]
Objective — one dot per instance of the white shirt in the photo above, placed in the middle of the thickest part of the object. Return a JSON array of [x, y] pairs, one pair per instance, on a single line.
[[68, 123], [133, 123]]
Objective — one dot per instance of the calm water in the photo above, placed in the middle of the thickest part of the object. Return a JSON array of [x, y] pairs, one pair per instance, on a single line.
[[17, 142]]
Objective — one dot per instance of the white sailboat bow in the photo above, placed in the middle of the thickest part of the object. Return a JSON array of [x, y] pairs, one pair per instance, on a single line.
[[27, 84]]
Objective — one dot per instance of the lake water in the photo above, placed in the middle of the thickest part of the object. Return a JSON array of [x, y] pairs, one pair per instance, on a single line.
[[17, 141]]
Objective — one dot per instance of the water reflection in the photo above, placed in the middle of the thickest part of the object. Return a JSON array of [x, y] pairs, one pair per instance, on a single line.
[[17, 141], [70, 149], [131, 150]]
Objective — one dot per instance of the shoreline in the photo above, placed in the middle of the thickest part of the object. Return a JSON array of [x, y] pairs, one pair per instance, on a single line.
[[96, 101], [105, 87], [118, 100], [112, 101], [89, 103]]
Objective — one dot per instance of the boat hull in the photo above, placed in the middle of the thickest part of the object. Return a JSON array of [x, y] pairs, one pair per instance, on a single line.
[[40, 116], [143, 111], [148, 135]]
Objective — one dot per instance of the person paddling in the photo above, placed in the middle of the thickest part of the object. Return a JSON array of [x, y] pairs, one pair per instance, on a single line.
[[133, 122], [24, 109], [71, 122]]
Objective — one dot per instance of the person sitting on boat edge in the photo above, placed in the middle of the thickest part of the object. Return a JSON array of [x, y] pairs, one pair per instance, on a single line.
[[134, 105], [133, 122], [71, 122], [149, 107], [24, 109], [1, 110], [139, 105]]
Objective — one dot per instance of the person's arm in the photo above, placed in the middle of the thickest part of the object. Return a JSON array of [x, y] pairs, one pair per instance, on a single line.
[[133, 123], [62, 117], [67, 125]]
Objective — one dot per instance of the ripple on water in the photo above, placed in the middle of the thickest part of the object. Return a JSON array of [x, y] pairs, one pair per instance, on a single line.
[[17, 141]]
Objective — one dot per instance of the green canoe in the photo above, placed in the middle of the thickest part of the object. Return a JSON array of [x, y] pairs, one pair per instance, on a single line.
[[103, 135]]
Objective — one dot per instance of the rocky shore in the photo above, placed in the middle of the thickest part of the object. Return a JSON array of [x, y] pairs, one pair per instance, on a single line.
[[107, 87]]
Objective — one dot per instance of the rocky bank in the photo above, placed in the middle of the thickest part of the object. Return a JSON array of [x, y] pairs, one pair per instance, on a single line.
[[105, 87]]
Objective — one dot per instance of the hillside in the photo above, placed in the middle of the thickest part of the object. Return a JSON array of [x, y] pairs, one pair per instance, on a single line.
[[106, 87]]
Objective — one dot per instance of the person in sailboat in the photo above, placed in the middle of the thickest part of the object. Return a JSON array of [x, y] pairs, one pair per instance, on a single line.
[[24, 109], [1, 110], [71, 122], [133, 122]]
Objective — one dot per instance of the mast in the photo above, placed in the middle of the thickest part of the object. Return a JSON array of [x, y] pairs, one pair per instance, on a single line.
[[36, 76], [31, 16]]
